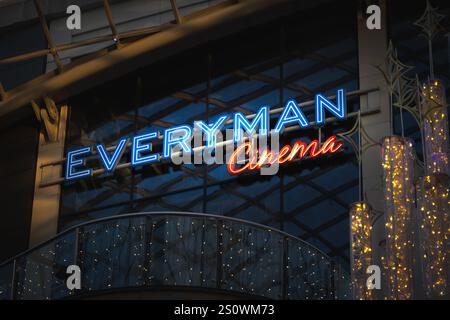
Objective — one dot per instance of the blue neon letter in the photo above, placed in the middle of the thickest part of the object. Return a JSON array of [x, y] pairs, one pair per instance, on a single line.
[[170, 141], [137, 148], [242, 123], [71, 163], [111, 163], [297, 116], [211, 130], [339, 111]]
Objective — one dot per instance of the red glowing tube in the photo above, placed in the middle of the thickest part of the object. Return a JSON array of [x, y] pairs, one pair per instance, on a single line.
[[287, 153]]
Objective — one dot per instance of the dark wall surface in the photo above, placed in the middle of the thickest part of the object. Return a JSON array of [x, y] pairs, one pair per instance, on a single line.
[[17, 174], [18, 142]]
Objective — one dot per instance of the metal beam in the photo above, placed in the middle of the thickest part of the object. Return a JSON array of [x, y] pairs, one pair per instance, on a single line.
[[48, 36], [84, 43], [114, 64], [112, 25], [176, 12]]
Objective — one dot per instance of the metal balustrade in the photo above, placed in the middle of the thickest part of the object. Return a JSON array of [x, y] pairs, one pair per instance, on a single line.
[[174, 250]]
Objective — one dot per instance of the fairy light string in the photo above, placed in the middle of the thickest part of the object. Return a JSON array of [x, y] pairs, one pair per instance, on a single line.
[[398, 175]]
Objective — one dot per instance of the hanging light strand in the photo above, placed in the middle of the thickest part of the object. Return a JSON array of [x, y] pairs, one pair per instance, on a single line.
[[435, 127], [361, 236], [398, 163], [433, 212]]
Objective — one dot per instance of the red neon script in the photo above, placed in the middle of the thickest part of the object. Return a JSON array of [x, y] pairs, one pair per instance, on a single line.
[[267, 157]]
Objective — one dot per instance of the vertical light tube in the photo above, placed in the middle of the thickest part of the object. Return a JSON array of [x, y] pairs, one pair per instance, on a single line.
[[361, 255], [398, 174], [433, 205], [433, 192], [435, 127]]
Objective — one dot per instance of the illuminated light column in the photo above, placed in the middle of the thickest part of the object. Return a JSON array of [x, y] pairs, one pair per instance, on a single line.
[[435, 127], [398, 166], [432, 192], [361, 255], [433, 205]]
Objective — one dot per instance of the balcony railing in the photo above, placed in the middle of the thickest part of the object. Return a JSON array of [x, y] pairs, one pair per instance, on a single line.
[[173, 250]]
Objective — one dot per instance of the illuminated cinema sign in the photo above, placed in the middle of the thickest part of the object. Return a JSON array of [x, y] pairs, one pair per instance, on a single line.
[[181, 136], [299, 150]]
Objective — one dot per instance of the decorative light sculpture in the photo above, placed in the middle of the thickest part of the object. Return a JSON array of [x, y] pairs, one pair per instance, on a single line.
[[433, 189], [432, 192], [398, 166], [433, 204], [435, 127], [361, 256], [430, 23]]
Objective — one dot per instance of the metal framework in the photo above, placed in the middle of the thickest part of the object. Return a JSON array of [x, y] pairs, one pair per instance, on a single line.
[[118, 41], [115, 36], [217, 106], [229, 187]]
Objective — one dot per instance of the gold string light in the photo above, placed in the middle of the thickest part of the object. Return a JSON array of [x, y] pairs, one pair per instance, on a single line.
[[361, 235], [433, 212], [398, 164], [435, 127], [433, 192]]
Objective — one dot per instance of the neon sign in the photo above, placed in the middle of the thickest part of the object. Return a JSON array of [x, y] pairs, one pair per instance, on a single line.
[[287, 153], [181, 136]]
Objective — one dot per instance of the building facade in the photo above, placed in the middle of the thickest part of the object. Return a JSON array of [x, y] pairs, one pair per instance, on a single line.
[[166, 230]]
